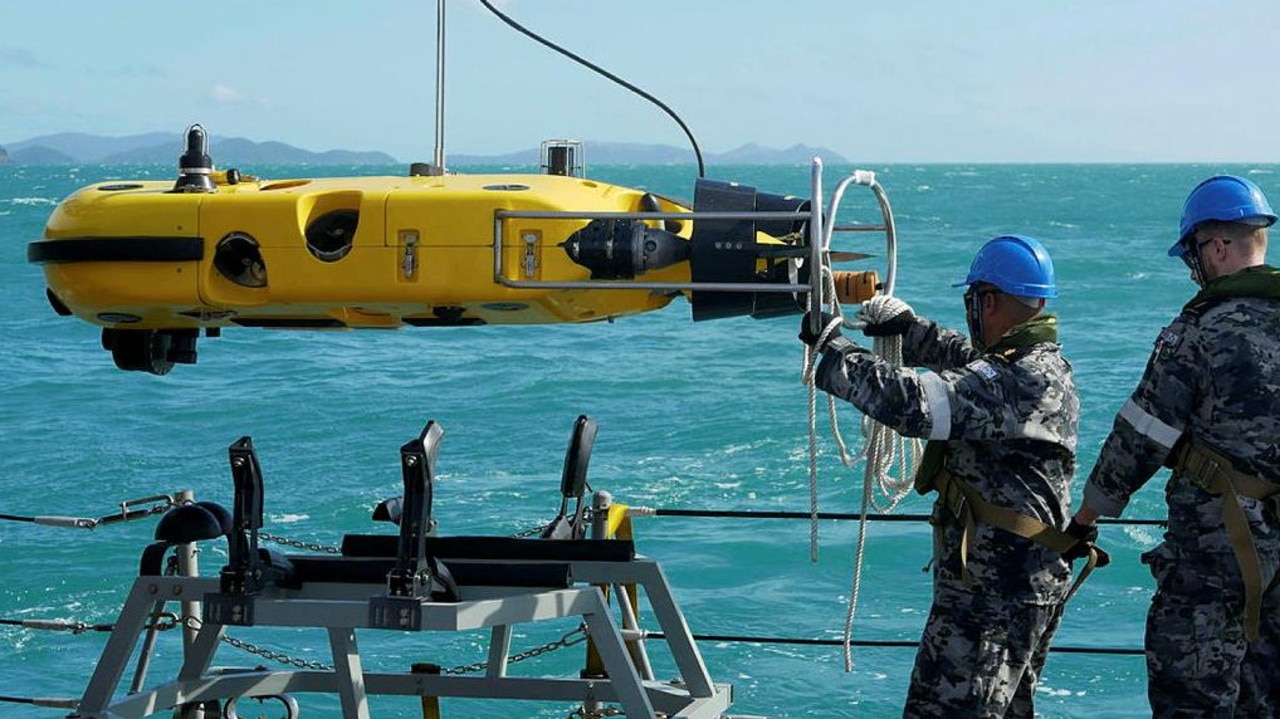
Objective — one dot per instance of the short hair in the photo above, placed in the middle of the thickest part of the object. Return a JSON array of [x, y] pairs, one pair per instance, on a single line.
[[1253, 235]]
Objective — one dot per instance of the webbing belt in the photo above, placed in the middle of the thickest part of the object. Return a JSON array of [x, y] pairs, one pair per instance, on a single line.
[[1212, 472], [969, 507]]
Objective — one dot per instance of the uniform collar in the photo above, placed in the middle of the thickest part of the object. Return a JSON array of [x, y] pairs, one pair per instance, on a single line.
[[1256, 281], [1041, 328]]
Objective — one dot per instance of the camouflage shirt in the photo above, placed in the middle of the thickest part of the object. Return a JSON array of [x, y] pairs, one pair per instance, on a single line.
[[1009, 420], [1214, 376]]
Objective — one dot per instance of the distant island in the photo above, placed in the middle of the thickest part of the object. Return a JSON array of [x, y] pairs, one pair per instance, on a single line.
[[162, 148]]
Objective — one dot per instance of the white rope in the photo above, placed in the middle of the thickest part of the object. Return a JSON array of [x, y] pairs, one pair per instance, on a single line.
[[854, 591], [882, 451], [807, 376]]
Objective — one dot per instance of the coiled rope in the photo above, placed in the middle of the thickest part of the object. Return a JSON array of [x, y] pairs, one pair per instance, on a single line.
[[882, 449]]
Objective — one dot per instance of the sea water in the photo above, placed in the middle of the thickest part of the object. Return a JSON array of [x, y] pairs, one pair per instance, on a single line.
[[707, 416]]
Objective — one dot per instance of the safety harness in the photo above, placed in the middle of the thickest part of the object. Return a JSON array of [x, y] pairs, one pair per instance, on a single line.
[[1213, 473], [966, 505]]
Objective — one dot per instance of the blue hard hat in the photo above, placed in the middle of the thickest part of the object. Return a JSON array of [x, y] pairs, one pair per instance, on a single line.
[[1225, 198], [1018, 265]]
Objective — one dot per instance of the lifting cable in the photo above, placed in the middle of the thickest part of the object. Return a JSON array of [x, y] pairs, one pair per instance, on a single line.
[[697, 151]]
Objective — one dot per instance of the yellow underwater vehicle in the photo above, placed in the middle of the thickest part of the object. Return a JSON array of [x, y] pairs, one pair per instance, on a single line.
[[156, 263]]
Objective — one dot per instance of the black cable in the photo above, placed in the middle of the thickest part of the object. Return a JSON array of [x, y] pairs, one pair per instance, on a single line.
[[43, 702], [876, 643], [770, 514], [86, 523], [57, 625], [586, 63]]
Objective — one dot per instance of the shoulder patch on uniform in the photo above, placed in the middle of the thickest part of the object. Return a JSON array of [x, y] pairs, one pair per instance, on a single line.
[[1167, 343], [983, 368]]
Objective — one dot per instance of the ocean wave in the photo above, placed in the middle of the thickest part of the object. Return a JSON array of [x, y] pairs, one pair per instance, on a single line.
[[32, 201]]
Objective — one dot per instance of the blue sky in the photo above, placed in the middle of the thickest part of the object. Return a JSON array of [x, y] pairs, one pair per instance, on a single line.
[[887, 81]]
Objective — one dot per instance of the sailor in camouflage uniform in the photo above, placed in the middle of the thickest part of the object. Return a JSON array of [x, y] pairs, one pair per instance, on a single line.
[[1000, 412], [1208, 406]]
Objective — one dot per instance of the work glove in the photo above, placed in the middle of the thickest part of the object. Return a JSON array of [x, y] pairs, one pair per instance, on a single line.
[[1087, 538], [809, 337], [886, 316]]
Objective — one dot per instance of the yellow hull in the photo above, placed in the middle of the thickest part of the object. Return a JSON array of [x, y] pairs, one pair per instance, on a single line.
[[139, 256]]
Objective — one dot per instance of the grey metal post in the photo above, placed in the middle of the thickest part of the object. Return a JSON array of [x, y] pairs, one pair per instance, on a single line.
[[188, 566]]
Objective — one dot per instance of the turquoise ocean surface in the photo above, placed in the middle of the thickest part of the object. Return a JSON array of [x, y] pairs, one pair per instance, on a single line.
[[706, 416]]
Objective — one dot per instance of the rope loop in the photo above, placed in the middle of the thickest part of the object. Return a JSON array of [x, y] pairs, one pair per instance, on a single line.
[[883, 451]]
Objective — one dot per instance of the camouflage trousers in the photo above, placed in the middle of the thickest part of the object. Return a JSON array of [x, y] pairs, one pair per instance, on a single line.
[[980, 657], [1198, 661]]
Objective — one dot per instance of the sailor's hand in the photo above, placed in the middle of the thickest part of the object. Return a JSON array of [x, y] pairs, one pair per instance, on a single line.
[[1104, 557], [816, 340], [1086, 536], [886, 316]]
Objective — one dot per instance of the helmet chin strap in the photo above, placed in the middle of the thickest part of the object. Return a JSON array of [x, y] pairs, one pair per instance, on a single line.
[[1197, 262], [973, 317]]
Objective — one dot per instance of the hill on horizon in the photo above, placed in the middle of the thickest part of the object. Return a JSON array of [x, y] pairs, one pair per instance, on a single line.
[[163, 148]]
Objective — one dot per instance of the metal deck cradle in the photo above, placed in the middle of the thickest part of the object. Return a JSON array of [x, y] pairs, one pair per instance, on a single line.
[[410, 582]]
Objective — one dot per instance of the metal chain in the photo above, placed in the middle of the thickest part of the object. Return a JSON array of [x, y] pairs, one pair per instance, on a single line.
[[567, 640], [530, 532], [570, 638], [164, 621], [312, 546], [278, 657]]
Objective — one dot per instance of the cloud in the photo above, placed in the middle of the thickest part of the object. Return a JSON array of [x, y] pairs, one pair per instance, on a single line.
[[19, 57], [228, 95]]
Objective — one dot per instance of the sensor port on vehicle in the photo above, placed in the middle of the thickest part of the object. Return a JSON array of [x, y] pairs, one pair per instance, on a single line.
[[330, 235], [239, 259]]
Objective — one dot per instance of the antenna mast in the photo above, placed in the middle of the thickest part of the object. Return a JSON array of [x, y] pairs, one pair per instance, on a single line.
[[437, 164]]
